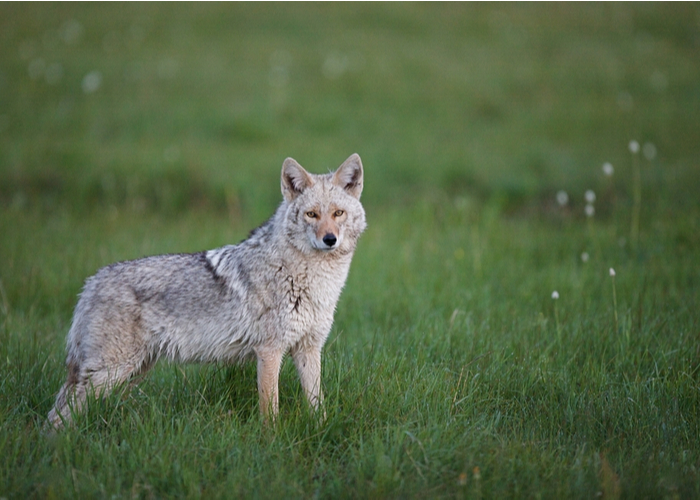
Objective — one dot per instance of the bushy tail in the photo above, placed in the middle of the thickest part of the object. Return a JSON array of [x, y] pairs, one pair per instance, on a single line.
[[70, 399], [61, 414]]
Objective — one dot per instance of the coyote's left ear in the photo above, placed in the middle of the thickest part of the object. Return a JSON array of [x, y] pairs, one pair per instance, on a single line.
[[349, 176]]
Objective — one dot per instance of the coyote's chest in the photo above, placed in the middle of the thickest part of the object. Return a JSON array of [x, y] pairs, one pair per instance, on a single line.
[[311, 293]]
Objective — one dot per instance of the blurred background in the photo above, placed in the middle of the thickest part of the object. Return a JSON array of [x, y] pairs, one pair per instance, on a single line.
[[134, 129], [158, 107]]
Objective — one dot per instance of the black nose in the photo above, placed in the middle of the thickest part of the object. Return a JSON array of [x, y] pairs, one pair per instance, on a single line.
[[330, 239]]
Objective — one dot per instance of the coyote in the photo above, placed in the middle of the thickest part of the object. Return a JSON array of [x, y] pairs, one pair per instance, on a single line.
[[273, 293]]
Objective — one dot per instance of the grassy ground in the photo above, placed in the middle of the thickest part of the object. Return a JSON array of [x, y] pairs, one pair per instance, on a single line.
[[130, 130]]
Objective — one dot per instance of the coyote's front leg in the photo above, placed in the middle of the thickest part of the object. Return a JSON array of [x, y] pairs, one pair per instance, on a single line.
[[269, 362], [307, 358]]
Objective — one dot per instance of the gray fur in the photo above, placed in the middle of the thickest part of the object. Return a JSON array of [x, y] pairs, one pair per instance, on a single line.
[[273, 293]]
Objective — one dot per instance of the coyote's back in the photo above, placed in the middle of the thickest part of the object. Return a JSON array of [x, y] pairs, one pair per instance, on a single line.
[[273, 293]]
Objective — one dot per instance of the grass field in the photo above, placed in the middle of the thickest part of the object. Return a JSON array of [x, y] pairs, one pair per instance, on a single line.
[[451, 371]]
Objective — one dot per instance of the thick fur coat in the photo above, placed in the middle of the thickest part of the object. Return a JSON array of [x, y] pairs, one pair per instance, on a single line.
[[272, 294]]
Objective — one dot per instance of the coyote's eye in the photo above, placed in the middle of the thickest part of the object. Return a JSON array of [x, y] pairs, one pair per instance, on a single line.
[[311, 215], [339, 213]]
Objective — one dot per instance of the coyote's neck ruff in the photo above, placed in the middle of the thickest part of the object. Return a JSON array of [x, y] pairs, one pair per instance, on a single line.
[[273, 293]]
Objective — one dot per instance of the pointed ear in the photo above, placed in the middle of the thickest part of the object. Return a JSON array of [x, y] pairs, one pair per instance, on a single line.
[[294, 179], [349, 176]]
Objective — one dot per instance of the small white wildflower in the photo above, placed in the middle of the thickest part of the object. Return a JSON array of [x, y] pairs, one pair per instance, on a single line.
[[608, 169], [585, 257], [590, 196], [634, 147], [555, 295], [562, 198], [71, 31], [612, 272], [335, 66], [91, 82], [590, 210], [649, 151]]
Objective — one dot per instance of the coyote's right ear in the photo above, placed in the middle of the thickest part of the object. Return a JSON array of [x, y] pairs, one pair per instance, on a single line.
[[294, 179]]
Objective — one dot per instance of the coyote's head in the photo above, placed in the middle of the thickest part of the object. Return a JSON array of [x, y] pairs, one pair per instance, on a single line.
[[323, 212]]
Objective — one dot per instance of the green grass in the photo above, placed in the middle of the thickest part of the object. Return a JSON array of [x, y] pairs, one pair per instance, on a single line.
[[449, 372]]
